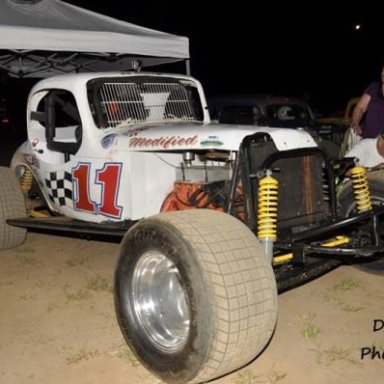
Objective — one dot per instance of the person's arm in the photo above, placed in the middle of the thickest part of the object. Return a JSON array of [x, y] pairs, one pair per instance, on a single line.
[[358, 113], [376, 167]]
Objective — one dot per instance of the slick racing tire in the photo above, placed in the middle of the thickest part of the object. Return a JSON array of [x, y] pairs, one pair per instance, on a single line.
[[195, 295], [12, 205], [347, 208]]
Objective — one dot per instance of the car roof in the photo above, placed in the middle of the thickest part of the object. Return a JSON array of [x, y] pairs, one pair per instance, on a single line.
[[71, 81]]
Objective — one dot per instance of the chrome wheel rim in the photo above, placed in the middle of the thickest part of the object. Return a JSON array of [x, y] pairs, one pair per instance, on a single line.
[[160, 302]]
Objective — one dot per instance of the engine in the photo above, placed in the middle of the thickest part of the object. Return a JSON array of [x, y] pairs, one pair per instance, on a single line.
[[202, 181]]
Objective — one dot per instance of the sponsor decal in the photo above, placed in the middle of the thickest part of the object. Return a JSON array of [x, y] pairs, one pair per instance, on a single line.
[[59, 186], [107, 141], [212, 141], [163, 141], [32, 160], [135, 131]]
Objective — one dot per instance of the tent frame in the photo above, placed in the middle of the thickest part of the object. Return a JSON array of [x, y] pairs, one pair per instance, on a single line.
[[31, 63]]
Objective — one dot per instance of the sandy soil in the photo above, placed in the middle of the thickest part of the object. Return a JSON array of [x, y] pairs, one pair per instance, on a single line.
[[57, 323]]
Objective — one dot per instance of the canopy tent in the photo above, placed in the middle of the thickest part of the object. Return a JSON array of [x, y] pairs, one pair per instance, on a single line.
[[40, 38]]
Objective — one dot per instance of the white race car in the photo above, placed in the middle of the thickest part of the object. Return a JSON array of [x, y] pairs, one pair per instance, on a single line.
[[206, 211]]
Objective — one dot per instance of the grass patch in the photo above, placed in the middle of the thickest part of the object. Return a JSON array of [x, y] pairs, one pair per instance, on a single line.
[[126, 354], [99, 283], [28, 260], [347, 285], [5, 283], [83, 354], [51, 308], [44, 284], [80, 294], [351, 308], [78, 260], [333, 354], [275, 376], [26, 297], [310, 329], [248, 377], [25, 249], [333, 295]]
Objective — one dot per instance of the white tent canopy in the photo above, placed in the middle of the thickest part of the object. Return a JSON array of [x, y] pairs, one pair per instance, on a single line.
[[39, 38]]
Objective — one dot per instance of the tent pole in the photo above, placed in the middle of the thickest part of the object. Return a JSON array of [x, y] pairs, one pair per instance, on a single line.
[[188, 67]]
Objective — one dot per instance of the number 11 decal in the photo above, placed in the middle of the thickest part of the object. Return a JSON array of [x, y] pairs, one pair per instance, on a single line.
[[109, 179]]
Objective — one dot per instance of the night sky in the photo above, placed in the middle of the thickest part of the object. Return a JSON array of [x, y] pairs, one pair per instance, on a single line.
[[311, 51], [289, 49]]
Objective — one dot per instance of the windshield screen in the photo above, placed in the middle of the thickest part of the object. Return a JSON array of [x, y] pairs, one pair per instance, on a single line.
[[121, 101]]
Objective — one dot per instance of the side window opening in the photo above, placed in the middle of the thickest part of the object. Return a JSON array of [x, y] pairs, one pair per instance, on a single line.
[[58, 113]]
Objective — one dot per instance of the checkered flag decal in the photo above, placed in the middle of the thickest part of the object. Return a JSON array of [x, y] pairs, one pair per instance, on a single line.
[[59, 185]]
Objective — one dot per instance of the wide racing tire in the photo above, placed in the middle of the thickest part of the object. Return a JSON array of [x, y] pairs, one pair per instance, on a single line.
[[347, 208], [12, 205], [195, 295]]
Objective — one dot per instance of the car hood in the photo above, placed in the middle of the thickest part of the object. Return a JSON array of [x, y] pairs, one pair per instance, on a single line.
[[175, 137]]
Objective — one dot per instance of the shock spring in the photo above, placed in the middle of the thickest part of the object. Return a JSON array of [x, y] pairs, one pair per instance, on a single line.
[[361, 189], [267, 208], [26, 180]]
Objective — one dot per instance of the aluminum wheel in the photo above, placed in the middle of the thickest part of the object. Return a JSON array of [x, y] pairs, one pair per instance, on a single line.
[[160, 302], [195, 295]]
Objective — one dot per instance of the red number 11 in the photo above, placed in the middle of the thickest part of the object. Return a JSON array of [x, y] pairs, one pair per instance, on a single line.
[[109, 178]]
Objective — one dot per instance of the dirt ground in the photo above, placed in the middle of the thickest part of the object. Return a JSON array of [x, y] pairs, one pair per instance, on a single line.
[[57, 323]]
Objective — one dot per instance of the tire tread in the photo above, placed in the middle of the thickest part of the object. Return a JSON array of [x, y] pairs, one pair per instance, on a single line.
[[12, 205], [245, 298]]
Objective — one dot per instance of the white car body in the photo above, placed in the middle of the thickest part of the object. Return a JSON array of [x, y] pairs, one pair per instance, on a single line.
[[125, 171]]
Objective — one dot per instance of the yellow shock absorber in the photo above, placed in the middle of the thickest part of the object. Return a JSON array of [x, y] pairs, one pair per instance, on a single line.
[[361, 189], [267, 212], [26, 180]]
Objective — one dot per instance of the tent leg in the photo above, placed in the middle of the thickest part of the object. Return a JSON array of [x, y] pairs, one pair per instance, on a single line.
[[188, 67]]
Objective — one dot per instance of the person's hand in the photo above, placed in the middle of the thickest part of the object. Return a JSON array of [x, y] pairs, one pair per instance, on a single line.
[[356, 128], [376, 167]]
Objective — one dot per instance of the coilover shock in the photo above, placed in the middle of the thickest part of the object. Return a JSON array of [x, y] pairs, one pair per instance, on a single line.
[[267, 212], [361, 189], [26, 180]]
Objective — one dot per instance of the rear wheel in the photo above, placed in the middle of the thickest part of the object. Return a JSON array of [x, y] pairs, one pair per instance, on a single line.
[[12, 205], [347, 208], [195, 295]]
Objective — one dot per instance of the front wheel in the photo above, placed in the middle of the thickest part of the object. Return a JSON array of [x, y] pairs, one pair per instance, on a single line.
[[12, 205], [195, 295]]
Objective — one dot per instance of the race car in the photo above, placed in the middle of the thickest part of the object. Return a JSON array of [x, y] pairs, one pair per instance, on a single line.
[[215, 218]]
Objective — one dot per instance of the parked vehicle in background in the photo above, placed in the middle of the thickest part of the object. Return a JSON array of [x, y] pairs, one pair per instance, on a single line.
[[342, 121], [275, 111], [215, 218], [341, 118], [263, 110]]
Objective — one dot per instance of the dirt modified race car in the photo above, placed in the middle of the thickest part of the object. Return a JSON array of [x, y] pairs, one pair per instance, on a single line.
[[276, 111], [215, 219]]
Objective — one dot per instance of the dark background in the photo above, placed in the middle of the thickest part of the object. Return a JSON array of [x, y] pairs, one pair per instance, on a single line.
[[311, 51]]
